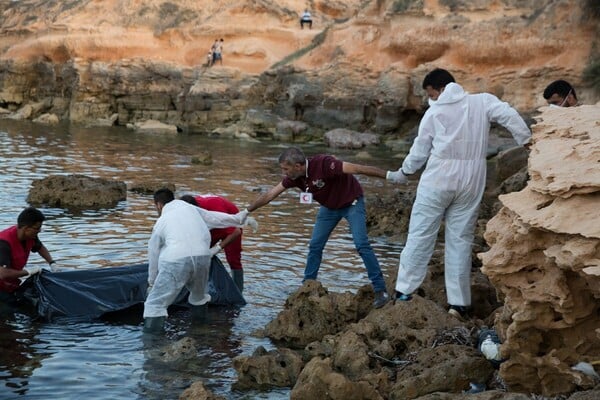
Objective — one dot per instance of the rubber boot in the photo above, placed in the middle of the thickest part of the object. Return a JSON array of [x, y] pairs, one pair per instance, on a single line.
[[200, 313], [154, 324], [238, 278]]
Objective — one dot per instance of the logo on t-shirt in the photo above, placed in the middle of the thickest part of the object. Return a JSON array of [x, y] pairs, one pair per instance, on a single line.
[[318, 183], [332, 165]]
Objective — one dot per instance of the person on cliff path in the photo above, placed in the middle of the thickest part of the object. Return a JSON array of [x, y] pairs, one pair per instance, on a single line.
[[306, 18], [228, 239], [560, 93], [452, 143], [179, 255], [16, 243], [331, 183], [217, 50]]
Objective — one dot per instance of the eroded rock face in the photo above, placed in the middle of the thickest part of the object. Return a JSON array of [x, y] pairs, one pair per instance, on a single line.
[[76, 191], [545, 257], [360, 67], [312, 312]]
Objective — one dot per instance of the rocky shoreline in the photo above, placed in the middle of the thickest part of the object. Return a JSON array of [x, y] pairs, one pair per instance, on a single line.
[[537, 284]]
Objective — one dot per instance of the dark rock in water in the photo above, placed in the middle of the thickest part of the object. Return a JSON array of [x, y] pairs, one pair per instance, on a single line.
[[76, 191], [197, 391], [149, 187], [203, 158], [279, 368]]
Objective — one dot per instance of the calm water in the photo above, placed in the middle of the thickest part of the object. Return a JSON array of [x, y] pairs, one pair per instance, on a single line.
[[107, 359]]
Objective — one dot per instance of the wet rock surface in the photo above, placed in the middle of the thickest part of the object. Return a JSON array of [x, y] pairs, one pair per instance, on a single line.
[[76, 191]]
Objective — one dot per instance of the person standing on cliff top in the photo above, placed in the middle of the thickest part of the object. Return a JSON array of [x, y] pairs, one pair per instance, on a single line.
[[560, 93], [306, 18], [331, 183], [217, 49], [452, 143]]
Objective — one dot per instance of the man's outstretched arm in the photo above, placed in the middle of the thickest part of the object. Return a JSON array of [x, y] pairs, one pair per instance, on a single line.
[[267, 197]]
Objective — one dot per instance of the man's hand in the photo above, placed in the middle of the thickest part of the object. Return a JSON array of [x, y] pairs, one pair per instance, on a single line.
[[396, 177], [215, 250], [34, 269]]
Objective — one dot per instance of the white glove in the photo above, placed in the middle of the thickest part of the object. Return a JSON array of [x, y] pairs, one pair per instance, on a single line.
[[215, 250], [34, 269], [396, 176], [243, 215], [251, 222], [50, 267]]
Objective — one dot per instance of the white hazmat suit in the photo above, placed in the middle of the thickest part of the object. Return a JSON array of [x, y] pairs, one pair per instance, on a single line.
[[179, 254], [453, 141]]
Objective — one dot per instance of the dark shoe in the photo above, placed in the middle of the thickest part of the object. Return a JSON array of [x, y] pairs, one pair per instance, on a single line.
[[154, 324], [459, 312], [381, 298], [399, 296], [238, 278]]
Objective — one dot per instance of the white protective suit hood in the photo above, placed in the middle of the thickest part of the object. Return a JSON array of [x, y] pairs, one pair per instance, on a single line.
[[452, 93]]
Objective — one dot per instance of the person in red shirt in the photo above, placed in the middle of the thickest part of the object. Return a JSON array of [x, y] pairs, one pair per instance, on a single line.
[[16, 243], [228, 239]]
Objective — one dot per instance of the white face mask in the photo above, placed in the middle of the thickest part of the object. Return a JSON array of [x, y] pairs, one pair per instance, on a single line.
[[562, 103]]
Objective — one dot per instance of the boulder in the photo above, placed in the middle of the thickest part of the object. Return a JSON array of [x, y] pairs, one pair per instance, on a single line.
[[152, 126], [197, 391], [312, 312], [263, 369], [76, 191], [347, 139], [319, 380]]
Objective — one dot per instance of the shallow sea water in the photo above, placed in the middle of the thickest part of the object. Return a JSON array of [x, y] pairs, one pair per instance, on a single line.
[[108, 358]]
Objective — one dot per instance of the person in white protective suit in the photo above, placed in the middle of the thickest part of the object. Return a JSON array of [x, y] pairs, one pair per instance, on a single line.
[[452, 140], [179, 255]]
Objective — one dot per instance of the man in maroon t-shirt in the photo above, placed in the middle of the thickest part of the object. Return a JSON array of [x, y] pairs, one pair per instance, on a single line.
[[229, 239], [330, 182]]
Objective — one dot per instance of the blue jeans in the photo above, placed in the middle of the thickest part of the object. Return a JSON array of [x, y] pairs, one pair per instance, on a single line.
[[327, 219]]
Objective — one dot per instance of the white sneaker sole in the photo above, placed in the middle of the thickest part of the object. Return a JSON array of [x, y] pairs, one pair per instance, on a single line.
[[456, 314]]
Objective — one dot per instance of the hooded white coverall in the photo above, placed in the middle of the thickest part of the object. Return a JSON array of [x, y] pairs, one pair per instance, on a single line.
[[179, 254], [453, 141]]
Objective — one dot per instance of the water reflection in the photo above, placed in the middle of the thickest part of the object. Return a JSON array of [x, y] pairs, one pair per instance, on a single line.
[[107, 358]]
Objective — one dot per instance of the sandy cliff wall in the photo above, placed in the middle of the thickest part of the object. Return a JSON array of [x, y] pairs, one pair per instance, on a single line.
[[361, 65], [545, 257]]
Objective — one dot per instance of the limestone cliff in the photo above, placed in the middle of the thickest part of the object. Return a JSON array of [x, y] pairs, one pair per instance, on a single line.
[[545, 257], [360, 67]]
